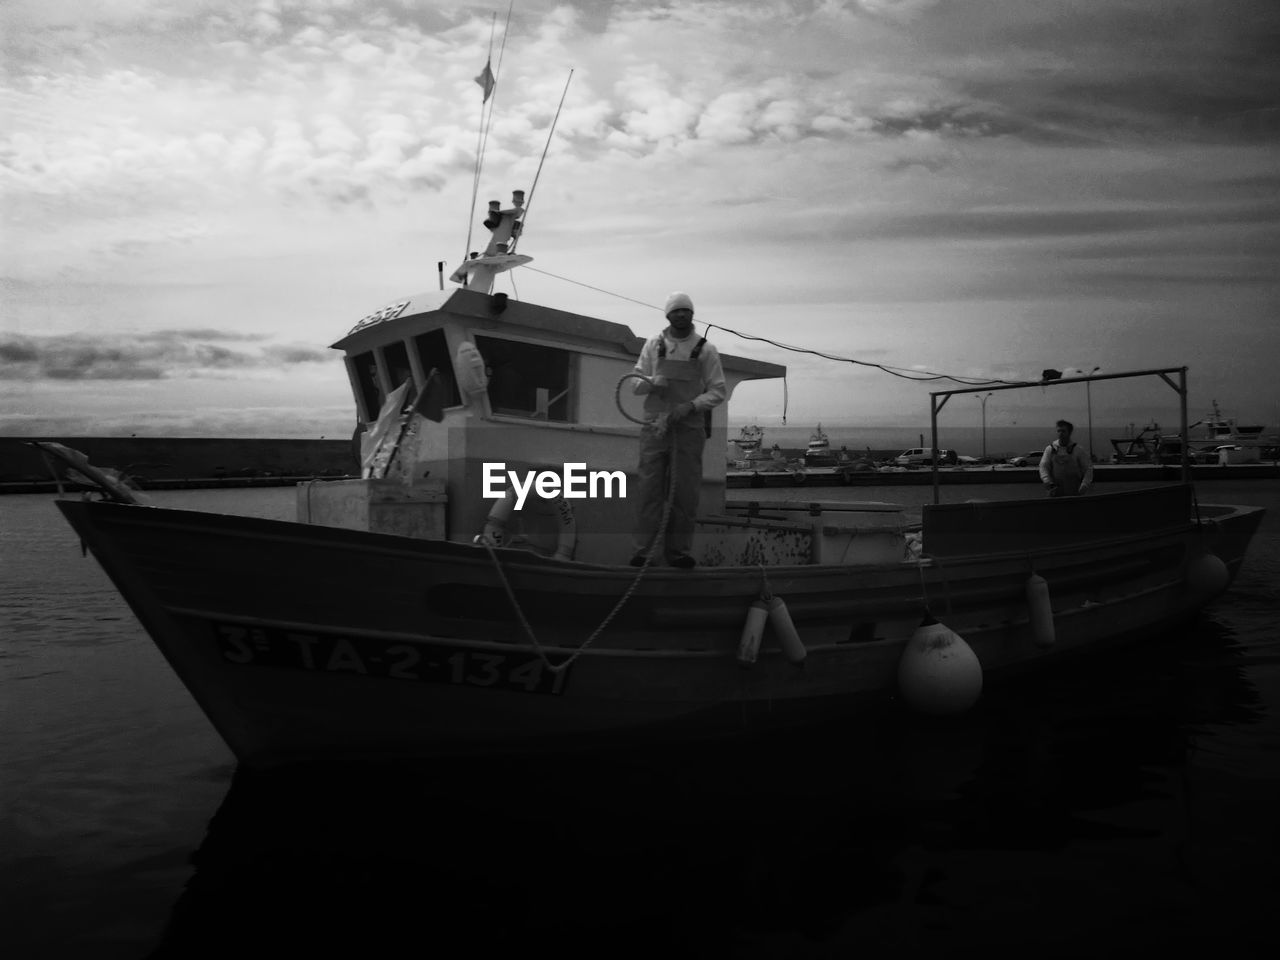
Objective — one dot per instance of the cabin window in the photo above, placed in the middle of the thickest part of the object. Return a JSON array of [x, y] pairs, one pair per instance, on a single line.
[[366, 371], [396, 357], [528, 379], [433, 353]]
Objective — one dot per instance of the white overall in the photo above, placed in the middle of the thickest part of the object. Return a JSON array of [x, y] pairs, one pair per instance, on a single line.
[[1065, 471], [678, 448]]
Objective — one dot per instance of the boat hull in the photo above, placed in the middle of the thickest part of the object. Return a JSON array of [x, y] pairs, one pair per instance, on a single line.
[[302, 642]]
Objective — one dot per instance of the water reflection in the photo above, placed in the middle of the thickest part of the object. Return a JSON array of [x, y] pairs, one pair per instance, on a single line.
[[1079, 797]]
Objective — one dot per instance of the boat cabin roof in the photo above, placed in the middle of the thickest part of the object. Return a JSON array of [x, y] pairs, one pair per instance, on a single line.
[[424, 311]]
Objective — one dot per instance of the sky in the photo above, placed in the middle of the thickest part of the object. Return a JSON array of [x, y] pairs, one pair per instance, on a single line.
[[198, 197]]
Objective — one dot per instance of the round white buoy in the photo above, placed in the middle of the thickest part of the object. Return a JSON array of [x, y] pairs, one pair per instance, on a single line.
[[938, 672], [1039, 611], [1207, 575]]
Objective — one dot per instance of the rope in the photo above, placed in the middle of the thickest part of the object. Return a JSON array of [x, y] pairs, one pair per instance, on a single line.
[[766, 591], [579, 283], [903, 372], [617, 395], [924, 589], [53, 473], [644, 567]]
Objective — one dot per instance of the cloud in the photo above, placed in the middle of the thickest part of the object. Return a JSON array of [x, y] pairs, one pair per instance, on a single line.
[[158, 355], [274, 163]]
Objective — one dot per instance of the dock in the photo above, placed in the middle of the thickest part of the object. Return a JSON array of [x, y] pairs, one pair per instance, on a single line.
[[991, 473]]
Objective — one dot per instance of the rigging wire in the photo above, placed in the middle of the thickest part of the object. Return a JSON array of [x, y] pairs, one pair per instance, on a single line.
[[903, 372], [579, 283], [529, 203], [482, 137], [497, 75]]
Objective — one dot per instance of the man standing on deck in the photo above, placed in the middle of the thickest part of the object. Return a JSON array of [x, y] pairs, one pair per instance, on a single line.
[[683, 382], [1065, 468]]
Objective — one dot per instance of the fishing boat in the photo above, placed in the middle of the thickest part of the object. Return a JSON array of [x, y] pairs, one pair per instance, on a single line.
[[750, 439], [1220, 440], [818, 452], [422, 610], [1222, 429], [748, 453]]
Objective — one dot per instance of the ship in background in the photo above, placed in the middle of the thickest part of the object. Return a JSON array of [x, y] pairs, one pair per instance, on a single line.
[[1221, 440]]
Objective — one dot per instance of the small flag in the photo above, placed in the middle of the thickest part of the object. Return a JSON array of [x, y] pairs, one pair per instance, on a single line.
[[486, 81]]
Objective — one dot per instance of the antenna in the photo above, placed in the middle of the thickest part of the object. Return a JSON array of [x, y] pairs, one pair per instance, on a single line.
[[516, 239]]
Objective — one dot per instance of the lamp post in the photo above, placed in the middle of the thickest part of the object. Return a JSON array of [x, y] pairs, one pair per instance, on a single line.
[[1088, 399], [983, 398]]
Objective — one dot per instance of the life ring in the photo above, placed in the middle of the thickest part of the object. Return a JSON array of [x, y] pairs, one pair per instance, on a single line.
[[495, 527], [797, 476]]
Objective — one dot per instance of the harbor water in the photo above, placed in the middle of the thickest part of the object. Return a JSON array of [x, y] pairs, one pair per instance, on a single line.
[[1119, 806]]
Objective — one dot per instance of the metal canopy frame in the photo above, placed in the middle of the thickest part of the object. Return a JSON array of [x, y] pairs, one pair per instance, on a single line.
[[936, 405]]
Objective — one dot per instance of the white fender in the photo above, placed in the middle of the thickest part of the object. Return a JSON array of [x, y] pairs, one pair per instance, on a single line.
[[1207, 576], [788, 638], [752, 632], [939, 673], [470, 366], [567, 540], [1040, 611]]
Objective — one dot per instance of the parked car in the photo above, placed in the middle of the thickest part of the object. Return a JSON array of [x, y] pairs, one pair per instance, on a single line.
[[923, 456], [1031, 459]]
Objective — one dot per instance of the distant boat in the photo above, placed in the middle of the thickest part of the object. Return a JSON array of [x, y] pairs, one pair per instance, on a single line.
[[818, 452], [1219, 435], [1226, 429], [750, 439]]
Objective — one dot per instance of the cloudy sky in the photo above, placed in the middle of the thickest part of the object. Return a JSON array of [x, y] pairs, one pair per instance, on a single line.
[[199, 196]]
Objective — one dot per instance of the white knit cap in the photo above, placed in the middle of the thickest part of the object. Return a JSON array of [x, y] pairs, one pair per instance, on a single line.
[[675, 302]]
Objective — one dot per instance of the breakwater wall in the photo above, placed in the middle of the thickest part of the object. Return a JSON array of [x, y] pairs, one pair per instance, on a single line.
[[184, 458]]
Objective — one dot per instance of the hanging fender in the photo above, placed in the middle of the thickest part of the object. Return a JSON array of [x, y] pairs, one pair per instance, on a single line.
[[780, 619], [471, 372], [753, 632], [938, 673], [1040, 611], [1207, 575], [567, 539]]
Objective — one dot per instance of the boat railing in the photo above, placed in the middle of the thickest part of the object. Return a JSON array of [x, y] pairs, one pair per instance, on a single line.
[[938, 399]]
